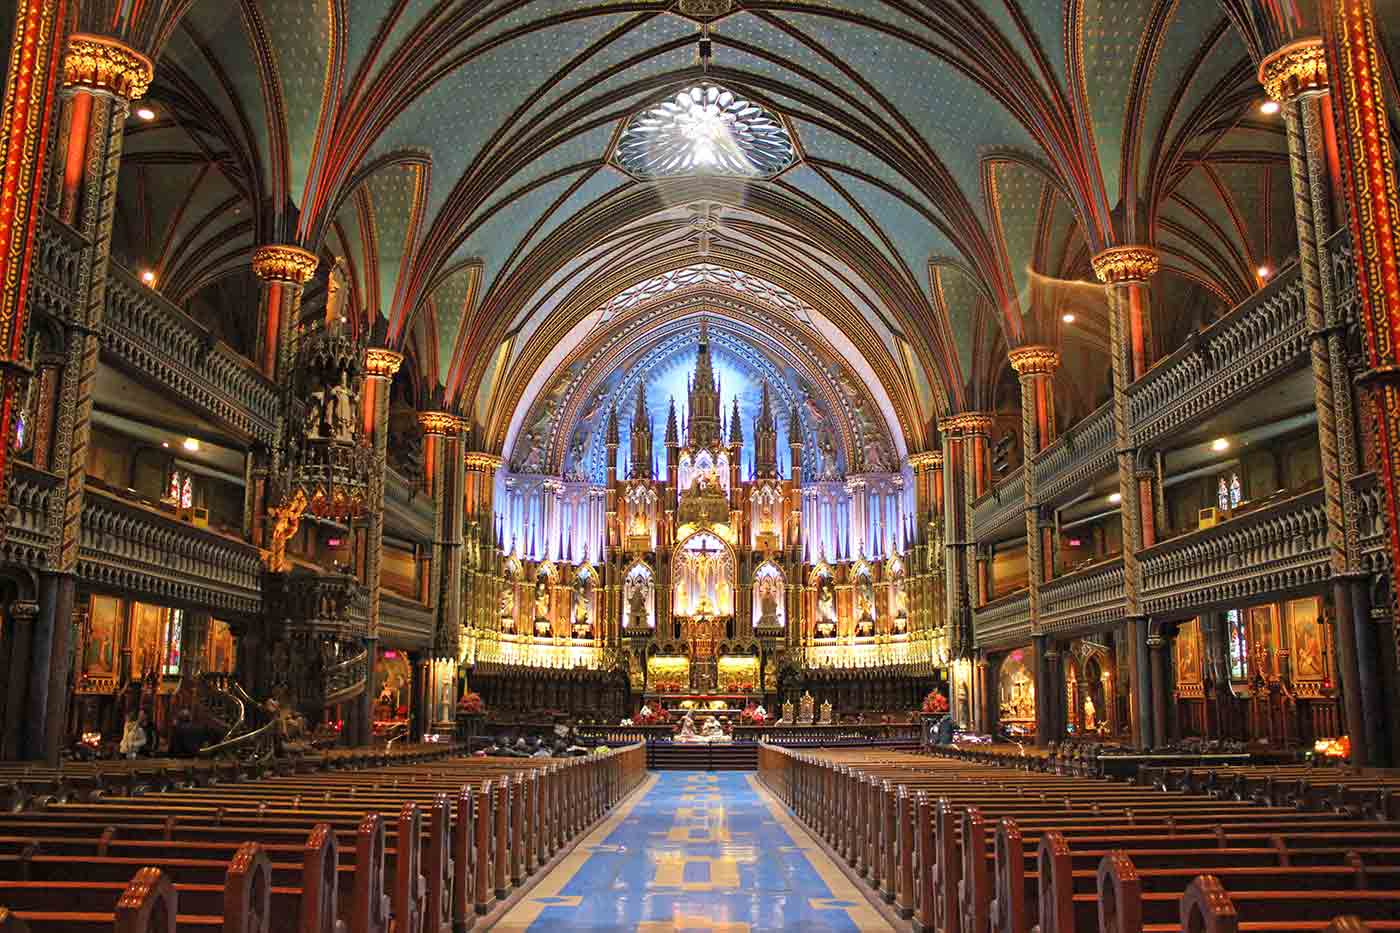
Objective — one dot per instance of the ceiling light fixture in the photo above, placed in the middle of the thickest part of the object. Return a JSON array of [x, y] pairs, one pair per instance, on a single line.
[[1269, 107], [148, 277], [146, 113], [165, 443], [1067, 317], [1115, 498], [191, 444], [1220, 444]]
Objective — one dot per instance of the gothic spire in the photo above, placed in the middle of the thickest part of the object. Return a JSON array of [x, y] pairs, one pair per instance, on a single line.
[[672, 434], [614, 437], [765, 439], [736, 428]]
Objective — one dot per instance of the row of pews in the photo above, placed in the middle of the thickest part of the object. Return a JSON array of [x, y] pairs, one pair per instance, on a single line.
[[964, 847], [1345, 790], [410, 843]]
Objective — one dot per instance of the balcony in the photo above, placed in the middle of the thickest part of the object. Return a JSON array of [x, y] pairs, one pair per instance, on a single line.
[[1088, 599], [1278, 547], [404, 622], [33, 494], [1003, 622], [150, 336], [1261, 340], [1080, 455], [1001, 512], [148, 553]]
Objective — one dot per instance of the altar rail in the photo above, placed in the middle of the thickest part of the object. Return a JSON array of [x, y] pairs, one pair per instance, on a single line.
[[1278, 547], [854, 733], [1001, 512]]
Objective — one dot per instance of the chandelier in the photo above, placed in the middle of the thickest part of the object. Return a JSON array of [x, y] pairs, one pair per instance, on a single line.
[[705, 130]]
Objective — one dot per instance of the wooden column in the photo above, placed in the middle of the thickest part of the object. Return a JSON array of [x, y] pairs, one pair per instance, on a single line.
[[1035, 367], [1126, 271]]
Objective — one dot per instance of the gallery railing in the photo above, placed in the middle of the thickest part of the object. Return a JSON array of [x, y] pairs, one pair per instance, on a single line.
[[403, 618], [27, 540], [1277, 547], [144, 552], [1263, 338], [1001, 512], [1081, 454], [1003, 622], [1083, 600]]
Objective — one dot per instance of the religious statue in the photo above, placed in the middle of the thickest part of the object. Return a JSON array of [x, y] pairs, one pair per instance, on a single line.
[[315, 425], [507, 609], [687, 733], [826, 607], [580, 597], [1089, 712], [713, 731], [768, 606], [342, 410], [636, 606]]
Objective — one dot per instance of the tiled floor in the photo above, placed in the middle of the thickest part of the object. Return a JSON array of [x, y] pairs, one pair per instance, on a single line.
[[698, 851]]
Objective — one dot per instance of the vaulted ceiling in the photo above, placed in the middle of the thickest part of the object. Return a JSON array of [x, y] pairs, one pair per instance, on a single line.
[[958, 162]]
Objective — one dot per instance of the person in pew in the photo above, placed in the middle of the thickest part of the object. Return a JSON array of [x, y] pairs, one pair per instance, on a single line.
[[944, 733], [188, 737], [133, 735]]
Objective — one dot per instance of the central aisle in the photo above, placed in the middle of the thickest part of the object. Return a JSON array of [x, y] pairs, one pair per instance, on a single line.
[[696, 851]]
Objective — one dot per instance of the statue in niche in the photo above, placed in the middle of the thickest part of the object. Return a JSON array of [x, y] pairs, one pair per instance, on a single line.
[[1089, 713], [580, 597], [507, 609], [636, 606], [826, 607], [768, 606], [865, 608], [315, 425], [342, 415], [541, 599]]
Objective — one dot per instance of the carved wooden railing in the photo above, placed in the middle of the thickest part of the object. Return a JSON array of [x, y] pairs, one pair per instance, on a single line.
[[27, 539], [1371, 535], [1078, 456], [152, 336], [1262, 339], [404, 619], [345, 680], [142, 551], [1277, 547], [1083, 600], [1003, 622], [1001, 512]]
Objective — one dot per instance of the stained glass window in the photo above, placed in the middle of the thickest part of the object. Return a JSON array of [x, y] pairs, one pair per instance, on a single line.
[[1222, 495], [21, 430], [187, 493], [1236, 490], [705, 130], [1239, 645], [172, 493]]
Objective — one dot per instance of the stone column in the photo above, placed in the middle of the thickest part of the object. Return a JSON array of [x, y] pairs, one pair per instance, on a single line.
[[478, 498], [1296, 77], [380, 366], [1035, 366], [101, 77], [443, 463], [1044, 729], [1162, 705], [1126, 270]]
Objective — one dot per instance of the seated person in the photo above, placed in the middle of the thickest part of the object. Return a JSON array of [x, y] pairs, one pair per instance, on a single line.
[[188, 737]]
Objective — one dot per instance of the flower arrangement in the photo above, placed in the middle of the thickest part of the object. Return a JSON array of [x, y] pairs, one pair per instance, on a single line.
[[668, 686], [935, 702], [649, 716], [471, 703], [753, 716]]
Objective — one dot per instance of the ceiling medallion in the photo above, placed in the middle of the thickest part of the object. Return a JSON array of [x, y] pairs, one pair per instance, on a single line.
[[705, 130], [704, 9]]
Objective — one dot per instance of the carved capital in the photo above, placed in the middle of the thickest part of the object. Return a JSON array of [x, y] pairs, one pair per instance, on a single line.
[[441, 423], [382, 363], [97, 63], [929, 459], [284, 263], [1122, 264], [1034, 360], [487, 463], [966, 423], [1296, 69]]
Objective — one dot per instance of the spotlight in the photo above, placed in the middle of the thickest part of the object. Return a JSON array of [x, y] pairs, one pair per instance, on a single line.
[[146, 113], [1264, 271], [1067, 317], [165, 443], [1115, 498], [1269, 107], [1220, 444], [148, 277], [191, 444]]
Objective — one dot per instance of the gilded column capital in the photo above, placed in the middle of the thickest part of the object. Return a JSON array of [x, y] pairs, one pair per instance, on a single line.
[[284, 263], [1034, 360], [1296, 69], [966, 423], [1120, 265], [927, 460], [441, 423], [487, 463], [382, 362], [98, 63]]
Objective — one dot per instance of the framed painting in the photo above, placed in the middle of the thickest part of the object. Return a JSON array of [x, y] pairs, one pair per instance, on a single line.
[[1263, 638], [1308, 638], [104, 633], [1188, 653]]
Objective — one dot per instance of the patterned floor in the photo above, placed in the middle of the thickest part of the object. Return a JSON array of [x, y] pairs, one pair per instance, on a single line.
[[697, 851]]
